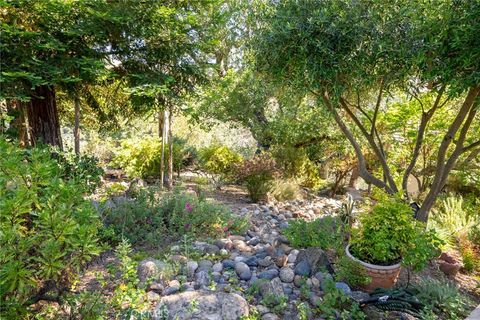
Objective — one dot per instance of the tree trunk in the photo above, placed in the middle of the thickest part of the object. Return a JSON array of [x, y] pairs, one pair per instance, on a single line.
[[43, 119], [162, 135], [76, 128], [170, 151], [362, 165], [444, 165]]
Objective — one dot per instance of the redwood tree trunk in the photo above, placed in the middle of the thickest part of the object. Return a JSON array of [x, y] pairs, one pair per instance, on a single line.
[[43, 119]]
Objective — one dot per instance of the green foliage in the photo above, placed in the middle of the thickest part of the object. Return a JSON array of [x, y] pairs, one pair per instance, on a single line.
[[455, 218], [350, 271], [83, 169], [345, 54], [219, 160], [470, 260], [285, 189], [295, 163], [390, 234], [47, 229], [148, 219], [128, 298], [277, 304], [257, 174], [142, 158], [443, 299], [337, 305], [322, 232]]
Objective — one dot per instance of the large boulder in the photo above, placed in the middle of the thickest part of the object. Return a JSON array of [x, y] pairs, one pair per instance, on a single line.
[[203, 305], [316, 259]]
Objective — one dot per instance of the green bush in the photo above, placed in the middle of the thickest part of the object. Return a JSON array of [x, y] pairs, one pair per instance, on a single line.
[[454, 218], [142, 157], [443, 300], [219, 160], [257, 174], [283, 189], [83, 169], [337, 305], [148, 219], [322, 232], [47, 229], [390, 234], [350, 271], [295, 163]]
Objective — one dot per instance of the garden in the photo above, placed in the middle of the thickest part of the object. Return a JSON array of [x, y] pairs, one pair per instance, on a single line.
[[251, 160]]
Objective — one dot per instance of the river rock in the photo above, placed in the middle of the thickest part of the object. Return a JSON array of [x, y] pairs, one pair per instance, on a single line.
[[317, 259], [208, 306], [153, 269], [303, 268], [287, 274], [268, 274]]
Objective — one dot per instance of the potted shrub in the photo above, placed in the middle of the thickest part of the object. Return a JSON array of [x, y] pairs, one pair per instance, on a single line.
[[388, 238]]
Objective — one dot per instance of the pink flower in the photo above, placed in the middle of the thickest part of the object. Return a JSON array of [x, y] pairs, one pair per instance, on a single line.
[[188, 207]]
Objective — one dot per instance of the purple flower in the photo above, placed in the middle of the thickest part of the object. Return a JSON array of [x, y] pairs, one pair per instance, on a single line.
[[187, 226], [188, 207]]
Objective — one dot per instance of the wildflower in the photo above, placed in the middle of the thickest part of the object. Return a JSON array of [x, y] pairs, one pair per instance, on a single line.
[[186, 226], [188, 207]]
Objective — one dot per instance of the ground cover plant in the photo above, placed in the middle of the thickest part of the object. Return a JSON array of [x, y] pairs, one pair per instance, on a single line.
[[148, 219]]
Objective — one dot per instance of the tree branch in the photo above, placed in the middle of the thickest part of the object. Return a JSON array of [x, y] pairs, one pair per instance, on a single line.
[[377, 106], [442, 168], [426, 116], [362, 166], [378, 152]]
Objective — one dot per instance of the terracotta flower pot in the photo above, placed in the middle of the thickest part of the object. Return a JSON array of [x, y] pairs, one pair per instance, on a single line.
[[382, 276]]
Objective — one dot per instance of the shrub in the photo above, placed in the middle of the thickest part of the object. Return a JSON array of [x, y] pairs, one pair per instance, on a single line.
[[47, 229], [219, 160], [337, 305], [148, 219], [351, 272], [390, 234], [83, 169], [283, 189], [142, 158], [443, 298], [257, 174], [454, 218], [322, 232], [295, 163]]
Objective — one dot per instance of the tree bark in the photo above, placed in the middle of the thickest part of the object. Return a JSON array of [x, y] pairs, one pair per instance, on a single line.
[[377, 149], [426, 116], [362, 165], [43, 118], [76, 128], [443, 167], [162, 134], [170, 151]]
